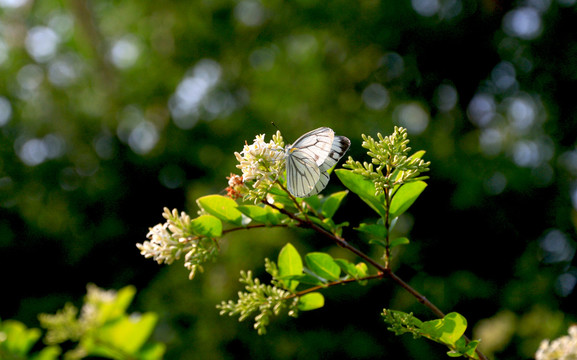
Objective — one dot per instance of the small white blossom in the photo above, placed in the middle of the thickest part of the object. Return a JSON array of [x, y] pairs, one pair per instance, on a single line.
[[261, 162], [170, 240], [162, 247], [563, 348], [167, 241]]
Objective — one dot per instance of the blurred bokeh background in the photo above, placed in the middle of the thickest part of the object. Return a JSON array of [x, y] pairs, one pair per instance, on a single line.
[[111, 110]]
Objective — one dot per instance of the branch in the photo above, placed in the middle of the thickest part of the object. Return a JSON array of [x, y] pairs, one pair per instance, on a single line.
[[382, 269], [333, 283]]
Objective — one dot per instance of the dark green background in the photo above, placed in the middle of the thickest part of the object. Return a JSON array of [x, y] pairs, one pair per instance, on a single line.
[[98, 133]]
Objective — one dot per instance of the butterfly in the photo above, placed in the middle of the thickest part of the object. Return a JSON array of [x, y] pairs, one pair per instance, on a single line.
[[310, 157]]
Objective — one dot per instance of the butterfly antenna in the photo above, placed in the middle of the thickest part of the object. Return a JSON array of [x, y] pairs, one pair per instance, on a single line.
[[273, 124]]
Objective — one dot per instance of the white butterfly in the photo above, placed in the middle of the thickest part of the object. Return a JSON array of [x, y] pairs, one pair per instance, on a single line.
[[309, 159]]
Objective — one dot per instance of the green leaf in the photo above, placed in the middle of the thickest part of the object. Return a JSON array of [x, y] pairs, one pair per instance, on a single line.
[[332, 202], [266, 215], [206, 225], [405, 196], [350, 269], [418, 154], [289, 263], [323, 265], [364, 188], [462, 348], [446, 330], [47, 353], [362, 269], [257, 213], [453, 353], [470, 349], [109, 311], [283, 201], [314, 202], [376, 230], [311, 301], [399, 241], [379, 242], [152, 351], [17, 338], [222, 207], [126, 334]]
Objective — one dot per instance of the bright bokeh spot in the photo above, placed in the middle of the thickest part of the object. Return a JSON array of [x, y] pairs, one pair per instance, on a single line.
[[482, 109], [64, 70], [503, 76], [136, 131], [426, 7], [532, 153], [5, 111], [376, 97], [11, 4], [521, 113], [125, 52], [3, 51], [566, 283], [491, 141], [42, 43], [143, 137], [33, 152], [524, 23], [412, 116], [186, 103], [250, 13], [446, 97], [557, 247]]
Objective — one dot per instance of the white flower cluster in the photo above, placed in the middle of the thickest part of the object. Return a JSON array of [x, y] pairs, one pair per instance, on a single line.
[[262, 161], [166, 240], [170, 240], [563, 348]]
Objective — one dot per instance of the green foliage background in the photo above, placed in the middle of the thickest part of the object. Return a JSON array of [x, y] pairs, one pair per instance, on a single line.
[[111, 110]]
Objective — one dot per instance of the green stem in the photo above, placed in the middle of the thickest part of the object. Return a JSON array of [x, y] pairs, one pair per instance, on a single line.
[[388, 226]]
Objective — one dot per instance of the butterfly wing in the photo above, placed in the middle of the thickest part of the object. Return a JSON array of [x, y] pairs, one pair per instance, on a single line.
[[302, 173], [339, 147], [316, 144], [320, 185], [310, 157]]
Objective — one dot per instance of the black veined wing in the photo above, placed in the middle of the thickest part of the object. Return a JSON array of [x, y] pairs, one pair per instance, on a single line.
[[309, 159]]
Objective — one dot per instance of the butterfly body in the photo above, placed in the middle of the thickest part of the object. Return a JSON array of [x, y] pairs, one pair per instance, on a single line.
[[310, 157]]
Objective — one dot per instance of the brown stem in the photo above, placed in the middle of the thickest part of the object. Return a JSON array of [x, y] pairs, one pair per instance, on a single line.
[[248, 227], [333, 283]]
